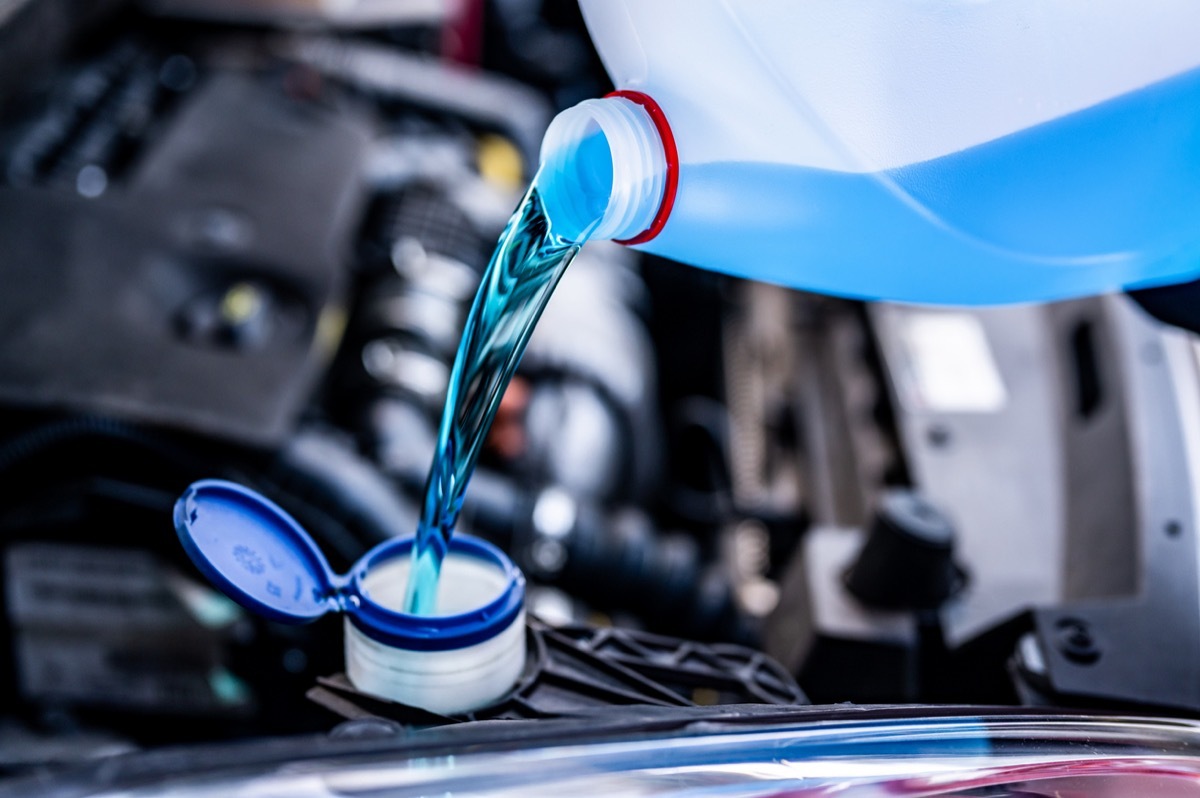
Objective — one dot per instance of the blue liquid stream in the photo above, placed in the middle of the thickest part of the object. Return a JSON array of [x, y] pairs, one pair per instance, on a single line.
[[1098, 200], [520, 278]]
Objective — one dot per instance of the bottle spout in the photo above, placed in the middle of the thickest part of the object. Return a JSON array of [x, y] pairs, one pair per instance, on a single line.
[[605, 170]]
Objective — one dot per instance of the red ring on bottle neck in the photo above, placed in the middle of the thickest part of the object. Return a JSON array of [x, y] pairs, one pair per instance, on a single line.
[[671, 154]]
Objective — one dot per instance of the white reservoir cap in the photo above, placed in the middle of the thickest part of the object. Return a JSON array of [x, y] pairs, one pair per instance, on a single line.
[[448, 681]]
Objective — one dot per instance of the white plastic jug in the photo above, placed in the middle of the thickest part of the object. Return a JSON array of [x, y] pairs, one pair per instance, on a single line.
[[944, 151]]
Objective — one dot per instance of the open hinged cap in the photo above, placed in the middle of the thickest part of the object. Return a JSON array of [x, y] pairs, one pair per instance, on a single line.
[[255, 553]]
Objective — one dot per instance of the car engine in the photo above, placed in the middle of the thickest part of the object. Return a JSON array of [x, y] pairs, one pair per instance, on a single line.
[[240, 240]]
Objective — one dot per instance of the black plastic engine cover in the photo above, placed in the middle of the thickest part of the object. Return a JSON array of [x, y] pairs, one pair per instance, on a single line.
[[116, 305]]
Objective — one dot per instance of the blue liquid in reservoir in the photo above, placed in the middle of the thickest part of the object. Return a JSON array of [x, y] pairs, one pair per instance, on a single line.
[[525, 267], [1098, 200]]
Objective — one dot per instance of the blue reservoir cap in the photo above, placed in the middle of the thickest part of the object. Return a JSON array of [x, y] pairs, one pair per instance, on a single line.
[[254, 552], [436, 632]]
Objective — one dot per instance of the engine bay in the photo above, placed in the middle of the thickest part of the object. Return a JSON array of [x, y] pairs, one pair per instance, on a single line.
[[242, 246]]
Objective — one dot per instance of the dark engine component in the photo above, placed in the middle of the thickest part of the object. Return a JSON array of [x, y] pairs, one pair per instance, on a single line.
[[572, 670], [907, 561], [176, 233], [211, 257]]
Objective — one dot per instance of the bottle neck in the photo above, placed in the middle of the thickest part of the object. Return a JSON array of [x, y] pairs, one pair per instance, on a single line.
[[604, 170]]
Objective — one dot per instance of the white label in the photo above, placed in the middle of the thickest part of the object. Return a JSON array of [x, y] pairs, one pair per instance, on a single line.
[[950, 365], [90, 587], [115, 672], [114, 627]]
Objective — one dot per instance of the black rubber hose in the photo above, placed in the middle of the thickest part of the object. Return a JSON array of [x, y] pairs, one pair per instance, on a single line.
[[25, 446], [324, 468]]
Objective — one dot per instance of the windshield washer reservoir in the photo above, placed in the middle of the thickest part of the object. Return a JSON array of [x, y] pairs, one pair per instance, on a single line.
[[464, 656]]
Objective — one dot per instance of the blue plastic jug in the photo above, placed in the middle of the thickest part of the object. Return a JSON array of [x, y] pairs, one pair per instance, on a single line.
[[958, 152]]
